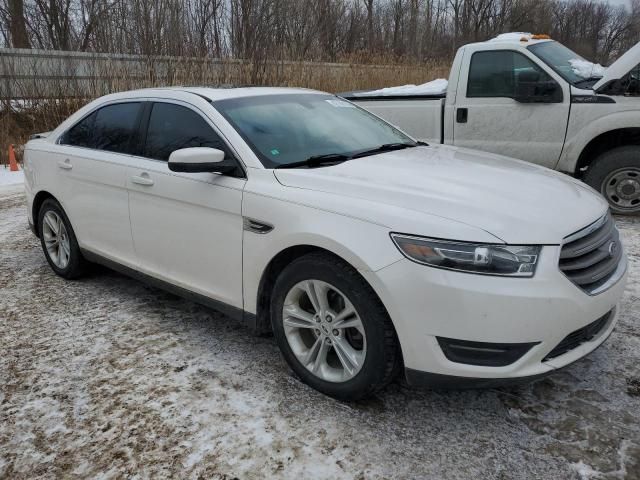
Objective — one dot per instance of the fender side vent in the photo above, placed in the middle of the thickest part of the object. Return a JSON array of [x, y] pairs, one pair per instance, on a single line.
[[256, 226]]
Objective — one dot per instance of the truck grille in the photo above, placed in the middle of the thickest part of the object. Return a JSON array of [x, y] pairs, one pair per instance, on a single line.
[[591, 256], [577, 338]]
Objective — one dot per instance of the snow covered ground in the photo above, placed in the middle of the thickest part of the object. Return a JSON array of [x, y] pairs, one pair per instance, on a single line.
[[107, 378], [7, 177]]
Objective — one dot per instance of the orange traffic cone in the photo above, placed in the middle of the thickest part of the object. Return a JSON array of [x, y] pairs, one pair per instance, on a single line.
[[13, 165]]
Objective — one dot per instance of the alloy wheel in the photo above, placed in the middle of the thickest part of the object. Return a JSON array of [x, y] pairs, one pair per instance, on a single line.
[[56, 239], [324, 330]]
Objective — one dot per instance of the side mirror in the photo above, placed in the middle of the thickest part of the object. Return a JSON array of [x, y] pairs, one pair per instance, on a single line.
[[199, 159], [530, 88]]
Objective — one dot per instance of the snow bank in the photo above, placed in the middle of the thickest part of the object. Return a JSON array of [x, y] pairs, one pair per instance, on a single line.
[[434, 87], [586, 69], [7, 177]]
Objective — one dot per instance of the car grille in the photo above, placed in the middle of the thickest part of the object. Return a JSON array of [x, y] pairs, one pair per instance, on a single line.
[[577, 338], [591, 256]]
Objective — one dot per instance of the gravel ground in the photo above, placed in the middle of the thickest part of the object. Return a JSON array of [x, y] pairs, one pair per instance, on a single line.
[[107, 378]]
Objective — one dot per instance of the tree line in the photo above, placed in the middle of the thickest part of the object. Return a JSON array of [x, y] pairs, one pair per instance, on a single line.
[[367, 31]]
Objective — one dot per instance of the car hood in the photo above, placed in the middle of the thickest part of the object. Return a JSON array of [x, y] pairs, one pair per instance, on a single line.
[[620, 67], [515, 201]]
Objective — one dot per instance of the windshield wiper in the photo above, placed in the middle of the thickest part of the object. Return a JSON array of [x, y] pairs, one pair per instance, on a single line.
[[387, 147], [317, 161]]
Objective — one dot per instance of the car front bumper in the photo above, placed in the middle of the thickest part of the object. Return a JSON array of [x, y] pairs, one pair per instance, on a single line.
[[427, 304]]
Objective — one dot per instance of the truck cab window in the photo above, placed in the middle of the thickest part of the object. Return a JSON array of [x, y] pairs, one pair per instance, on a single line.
[[496, 73]]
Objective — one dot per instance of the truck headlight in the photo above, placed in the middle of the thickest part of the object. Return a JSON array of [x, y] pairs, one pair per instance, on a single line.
[[481, 258]]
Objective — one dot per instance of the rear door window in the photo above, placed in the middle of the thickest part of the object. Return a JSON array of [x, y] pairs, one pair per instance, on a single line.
[[111, 128], [172, 127], [115, 126]]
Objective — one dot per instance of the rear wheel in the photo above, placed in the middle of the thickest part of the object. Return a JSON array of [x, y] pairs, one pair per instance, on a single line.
[[59, 242], [332, 329], [616, 175]]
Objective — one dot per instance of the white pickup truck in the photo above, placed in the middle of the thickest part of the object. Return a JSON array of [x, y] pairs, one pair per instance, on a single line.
[[528, 97]]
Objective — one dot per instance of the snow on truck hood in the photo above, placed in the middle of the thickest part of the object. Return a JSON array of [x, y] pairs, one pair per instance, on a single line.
[[515, 201]]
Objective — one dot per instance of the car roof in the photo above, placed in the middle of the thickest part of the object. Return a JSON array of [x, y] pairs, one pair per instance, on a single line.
[[219, 93]]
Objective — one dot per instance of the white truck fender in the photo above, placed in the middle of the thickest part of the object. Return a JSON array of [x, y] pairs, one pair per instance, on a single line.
[[575, 145]]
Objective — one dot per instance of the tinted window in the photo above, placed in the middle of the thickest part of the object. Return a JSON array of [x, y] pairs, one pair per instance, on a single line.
[[172, 127], [109, 128], [494, 74], [115, 126], [80, 134]]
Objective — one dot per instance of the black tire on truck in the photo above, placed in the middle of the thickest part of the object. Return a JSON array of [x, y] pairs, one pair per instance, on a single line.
[[616, 175]]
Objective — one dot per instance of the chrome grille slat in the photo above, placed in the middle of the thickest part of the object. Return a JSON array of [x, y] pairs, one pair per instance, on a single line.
[[587, 257], [587, 243]]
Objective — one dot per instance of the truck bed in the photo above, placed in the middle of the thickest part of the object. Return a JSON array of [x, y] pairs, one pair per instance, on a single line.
[[421, 116]]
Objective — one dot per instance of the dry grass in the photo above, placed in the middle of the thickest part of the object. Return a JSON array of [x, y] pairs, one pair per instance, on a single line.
[[47, 102]]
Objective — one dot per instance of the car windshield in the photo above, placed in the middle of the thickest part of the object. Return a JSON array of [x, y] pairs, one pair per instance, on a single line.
[[565, 62], [287, 128]]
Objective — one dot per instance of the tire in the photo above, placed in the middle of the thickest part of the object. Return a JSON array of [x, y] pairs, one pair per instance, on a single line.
[[616, 175], [67, 262], [373, 342]]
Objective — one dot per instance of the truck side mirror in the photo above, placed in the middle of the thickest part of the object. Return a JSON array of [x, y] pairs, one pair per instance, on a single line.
[[534, 87]]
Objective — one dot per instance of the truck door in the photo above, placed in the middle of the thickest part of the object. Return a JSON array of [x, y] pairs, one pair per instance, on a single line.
[[508, 104]]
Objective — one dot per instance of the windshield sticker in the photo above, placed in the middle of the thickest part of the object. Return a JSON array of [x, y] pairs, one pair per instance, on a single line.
[[339, 103], [275, 152]]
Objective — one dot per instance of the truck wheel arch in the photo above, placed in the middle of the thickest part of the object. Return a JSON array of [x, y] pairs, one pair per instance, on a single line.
[[604, 142]]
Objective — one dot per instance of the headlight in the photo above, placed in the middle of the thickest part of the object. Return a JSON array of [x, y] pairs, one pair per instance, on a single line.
[[487, 259]]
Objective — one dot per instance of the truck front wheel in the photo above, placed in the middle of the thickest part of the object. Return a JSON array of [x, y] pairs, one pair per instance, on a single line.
[[616, 175]]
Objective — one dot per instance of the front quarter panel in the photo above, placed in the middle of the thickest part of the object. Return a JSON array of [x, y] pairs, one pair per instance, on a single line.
[[588, 120], [364, 245]]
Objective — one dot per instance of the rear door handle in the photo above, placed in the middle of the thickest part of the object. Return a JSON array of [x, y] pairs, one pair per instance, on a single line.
[[462, 115], [142, 179], [66, 165]]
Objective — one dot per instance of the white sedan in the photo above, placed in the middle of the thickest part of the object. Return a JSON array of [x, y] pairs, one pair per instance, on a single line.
[[365, 252]]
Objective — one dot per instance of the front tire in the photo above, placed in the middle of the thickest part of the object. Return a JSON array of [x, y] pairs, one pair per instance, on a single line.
[[332, 329], [616, 175], [59, 242]]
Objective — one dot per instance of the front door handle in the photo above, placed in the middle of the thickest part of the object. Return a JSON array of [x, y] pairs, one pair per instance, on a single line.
[[462, 115], [142, 179], [66, 165]]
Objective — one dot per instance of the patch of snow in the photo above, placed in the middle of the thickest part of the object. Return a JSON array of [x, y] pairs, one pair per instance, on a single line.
[[584, 471], [586, 69], [7, 177], [512, 37], [434, 87]]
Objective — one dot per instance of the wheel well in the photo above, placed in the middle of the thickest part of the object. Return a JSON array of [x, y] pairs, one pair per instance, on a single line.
[[604, 142], [37, 203], [269, 276]]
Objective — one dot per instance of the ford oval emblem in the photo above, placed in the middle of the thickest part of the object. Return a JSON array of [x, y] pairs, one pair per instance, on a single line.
[[613, 249]]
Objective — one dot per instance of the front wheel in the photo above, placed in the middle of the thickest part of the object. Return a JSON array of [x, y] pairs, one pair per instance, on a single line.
[[332, 329], [616, 175]]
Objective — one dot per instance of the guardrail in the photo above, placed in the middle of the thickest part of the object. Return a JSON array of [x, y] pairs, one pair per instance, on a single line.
[[37, 74]]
